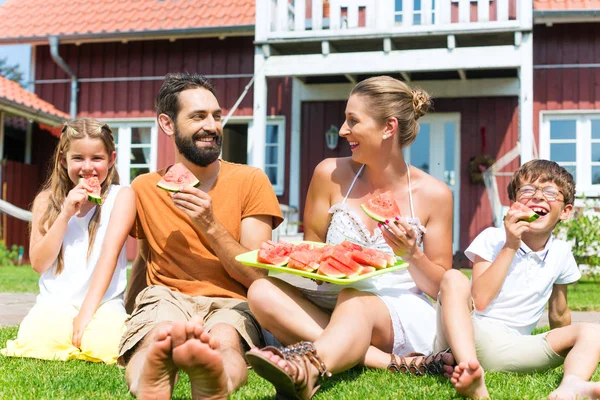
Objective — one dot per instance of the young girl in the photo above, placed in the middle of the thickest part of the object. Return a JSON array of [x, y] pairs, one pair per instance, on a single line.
[[79, 250]]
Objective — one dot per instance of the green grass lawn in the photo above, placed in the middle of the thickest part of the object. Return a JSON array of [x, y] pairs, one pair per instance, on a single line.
[[35, 379]]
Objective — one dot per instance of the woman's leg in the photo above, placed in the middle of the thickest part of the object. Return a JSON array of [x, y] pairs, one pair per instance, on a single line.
[[282, 310]]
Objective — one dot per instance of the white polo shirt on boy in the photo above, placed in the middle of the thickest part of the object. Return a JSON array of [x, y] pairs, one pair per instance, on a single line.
[[528, 284]]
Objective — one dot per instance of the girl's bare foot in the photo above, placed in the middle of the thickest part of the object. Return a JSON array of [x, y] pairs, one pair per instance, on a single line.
[[574, 388], [158, 374], [468, 380], [197, 353]]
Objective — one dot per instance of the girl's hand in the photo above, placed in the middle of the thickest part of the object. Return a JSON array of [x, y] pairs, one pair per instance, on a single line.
[[515, 226], [76, 198], [401, 237], [80, 322]]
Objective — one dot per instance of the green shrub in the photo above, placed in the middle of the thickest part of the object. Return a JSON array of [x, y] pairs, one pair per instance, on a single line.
[[8, 257]]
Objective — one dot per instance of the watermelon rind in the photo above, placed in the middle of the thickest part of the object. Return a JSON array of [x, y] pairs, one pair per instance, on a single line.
[[371, 214], [175, 188], [531, 218], [93, 198]]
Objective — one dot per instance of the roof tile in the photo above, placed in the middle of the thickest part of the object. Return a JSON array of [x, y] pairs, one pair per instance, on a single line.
[[31, 19], [548, 5], [13, 92]]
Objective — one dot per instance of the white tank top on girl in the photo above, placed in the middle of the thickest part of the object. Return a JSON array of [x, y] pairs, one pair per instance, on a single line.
[[72, 285]]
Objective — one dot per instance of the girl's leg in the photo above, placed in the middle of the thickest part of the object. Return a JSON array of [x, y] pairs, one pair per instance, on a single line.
[[282, 310], [100, 340], [581, 345]]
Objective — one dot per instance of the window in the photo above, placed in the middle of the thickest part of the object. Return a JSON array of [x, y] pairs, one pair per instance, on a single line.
[[275, 153], [417, 11], [136, 148], [573, 141]]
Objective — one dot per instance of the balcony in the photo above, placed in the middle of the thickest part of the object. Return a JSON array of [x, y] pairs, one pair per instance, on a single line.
[[293, 21]]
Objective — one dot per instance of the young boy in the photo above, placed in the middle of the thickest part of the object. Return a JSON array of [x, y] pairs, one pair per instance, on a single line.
[[516, 271]]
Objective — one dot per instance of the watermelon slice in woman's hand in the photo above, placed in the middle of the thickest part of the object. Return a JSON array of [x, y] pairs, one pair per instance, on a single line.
[[94, 196], [177, 176], [381, 207]]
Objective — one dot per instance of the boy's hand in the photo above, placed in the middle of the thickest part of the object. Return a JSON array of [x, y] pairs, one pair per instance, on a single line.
[[80, 322], [515, 226], [76, 198], [197, 205]]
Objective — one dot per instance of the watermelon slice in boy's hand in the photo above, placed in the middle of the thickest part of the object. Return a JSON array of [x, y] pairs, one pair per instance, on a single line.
[[381, 207], [95, 196], [532, 215], [178, 176]]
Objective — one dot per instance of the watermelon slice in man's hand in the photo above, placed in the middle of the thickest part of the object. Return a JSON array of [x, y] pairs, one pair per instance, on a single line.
[[176, 177]]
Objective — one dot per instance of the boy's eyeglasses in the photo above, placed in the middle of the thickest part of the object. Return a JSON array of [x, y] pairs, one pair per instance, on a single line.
[[528, 191]]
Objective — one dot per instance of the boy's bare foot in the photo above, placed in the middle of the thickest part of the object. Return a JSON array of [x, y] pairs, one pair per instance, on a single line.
[[158, 374], [468, 380], [197, 353], [574, 388]]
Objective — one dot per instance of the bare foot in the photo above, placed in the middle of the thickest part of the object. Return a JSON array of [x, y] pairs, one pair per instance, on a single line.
[[574, 388], [158, 374], [468, 380], [196, 353]]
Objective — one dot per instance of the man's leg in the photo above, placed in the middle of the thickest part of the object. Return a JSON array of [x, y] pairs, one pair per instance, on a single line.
[[456, 303], [150, 373], [581, 345]]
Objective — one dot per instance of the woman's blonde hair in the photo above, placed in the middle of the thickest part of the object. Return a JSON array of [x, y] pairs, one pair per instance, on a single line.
[[388, 97], [59, 184]]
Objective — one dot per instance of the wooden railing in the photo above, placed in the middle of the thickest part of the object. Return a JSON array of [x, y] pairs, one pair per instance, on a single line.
[[295, 19]]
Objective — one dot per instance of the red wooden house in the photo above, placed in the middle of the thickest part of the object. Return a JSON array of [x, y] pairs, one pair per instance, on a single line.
[[501, 72]]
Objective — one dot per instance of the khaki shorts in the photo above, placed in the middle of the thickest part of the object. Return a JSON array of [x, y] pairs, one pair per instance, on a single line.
[[157, 304], [499, 349]]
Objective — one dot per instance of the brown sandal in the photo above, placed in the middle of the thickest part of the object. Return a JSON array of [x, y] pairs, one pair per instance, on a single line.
[[433, 364], [302, 355]]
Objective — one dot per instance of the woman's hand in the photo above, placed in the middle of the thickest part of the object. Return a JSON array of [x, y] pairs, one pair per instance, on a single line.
[[401, 237], [80, 322], [76, 198]]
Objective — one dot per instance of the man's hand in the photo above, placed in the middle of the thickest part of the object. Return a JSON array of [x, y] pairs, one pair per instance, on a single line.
[[197, 205], [515, 226], [80, 322]]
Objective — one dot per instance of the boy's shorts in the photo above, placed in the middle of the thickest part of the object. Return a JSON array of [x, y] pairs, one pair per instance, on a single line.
[[157, 304], [499, 349]]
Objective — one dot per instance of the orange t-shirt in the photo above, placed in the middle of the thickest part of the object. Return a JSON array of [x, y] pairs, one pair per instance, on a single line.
[[180, 256]]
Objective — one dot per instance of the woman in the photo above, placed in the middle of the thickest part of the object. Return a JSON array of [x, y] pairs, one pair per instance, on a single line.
[[366, 321]]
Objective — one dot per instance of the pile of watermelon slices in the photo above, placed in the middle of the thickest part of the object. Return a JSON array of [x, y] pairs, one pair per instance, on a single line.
[[344, 260]]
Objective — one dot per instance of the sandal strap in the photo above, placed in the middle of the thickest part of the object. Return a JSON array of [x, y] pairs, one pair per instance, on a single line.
[[306, 350], [434, 363], [404, 367]]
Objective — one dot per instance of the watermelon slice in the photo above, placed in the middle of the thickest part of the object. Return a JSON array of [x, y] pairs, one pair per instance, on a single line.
[[95, 196], [177, 176], [381, 206], [326, 269], [369, 259]]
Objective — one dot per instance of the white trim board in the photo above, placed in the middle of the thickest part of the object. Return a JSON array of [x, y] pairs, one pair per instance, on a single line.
[[492, 57]]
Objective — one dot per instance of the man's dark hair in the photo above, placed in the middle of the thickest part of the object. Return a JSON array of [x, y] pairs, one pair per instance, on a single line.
[[167, 100]]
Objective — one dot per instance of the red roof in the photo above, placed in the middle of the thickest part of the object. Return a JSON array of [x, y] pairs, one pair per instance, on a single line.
[[548, 5], [28, 20], [23, 99]]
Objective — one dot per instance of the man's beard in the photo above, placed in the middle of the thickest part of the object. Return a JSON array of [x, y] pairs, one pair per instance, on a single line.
[[202, 157]]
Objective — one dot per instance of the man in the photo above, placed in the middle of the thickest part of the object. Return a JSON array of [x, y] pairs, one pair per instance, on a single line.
[[193, 315]]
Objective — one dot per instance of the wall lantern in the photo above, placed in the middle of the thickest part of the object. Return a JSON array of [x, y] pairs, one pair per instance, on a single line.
[[332, 137]]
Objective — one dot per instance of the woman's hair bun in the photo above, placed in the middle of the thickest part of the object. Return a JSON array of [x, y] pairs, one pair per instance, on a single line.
[[421, 102]]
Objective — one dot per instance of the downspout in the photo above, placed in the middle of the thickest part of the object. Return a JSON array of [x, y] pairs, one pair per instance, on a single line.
[[53, 40]]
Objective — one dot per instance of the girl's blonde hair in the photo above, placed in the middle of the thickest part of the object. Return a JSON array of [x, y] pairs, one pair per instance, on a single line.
[[59, 184], [388, 97]]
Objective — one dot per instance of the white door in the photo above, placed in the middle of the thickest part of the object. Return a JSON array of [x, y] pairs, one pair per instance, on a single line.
[[437, 152]]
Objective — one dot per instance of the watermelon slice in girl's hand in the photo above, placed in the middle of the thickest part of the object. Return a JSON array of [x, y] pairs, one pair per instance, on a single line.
[[381, 206], [95, 196], [177, 176]]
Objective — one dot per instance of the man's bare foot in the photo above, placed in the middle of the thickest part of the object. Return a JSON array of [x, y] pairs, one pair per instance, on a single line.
[[158, 373], [197, 353], [468, 380], [574, 388]]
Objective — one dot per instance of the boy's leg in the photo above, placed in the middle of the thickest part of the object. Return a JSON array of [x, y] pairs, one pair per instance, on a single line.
[[456, 306], [100, 340], [581, 345]]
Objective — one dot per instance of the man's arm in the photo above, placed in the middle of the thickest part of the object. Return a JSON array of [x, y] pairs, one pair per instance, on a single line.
[[559, 314], [137, 278]]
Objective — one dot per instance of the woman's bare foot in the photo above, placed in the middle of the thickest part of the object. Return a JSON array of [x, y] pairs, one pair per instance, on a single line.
[[158, 373], [572, 388], [197, 354], [468, 380]]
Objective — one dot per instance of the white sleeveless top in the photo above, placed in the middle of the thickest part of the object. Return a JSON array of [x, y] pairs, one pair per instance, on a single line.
[[72, 285]]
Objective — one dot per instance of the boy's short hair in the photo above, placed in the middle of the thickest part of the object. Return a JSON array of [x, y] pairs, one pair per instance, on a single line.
[[545, 171]]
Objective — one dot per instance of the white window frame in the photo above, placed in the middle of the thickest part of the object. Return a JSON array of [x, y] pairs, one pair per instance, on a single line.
[[279, 188], [583, 140], [124, 145]]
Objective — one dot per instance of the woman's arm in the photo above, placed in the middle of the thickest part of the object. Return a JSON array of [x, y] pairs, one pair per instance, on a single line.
[[44, 248], [318, 202], [119, 226]]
